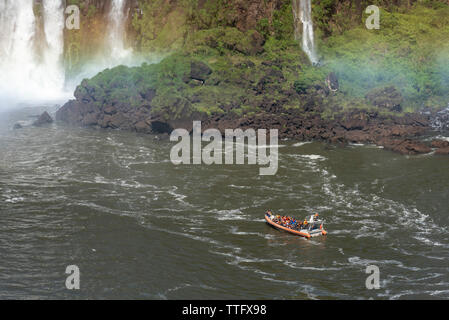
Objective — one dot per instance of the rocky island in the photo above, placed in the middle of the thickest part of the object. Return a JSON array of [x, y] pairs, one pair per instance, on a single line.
[[239, 64]]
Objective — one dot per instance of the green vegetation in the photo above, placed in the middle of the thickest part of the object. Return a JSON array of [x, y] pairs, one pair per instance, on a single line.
[[257, 64], [410, 51]]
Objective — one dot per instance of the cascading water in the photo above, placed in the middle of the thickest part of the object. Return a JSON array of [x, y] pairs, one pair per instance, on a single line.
[[54, 34], [24, 74], [31, 65], [116, 39], [115, 51], [440, 121], [302, 14]]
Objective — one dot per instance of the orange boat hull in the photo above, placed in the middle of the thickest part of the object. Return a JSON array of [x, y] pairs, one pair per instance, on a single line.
[[278, 226]]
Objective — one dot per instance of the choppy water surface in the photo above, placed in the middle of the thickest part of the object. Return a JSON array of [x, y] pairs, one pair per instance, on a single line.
[[137, 226]]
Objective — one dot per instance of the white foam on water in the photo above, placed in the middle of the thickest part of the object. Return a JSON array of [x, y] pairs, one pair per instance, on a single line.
[[233, 214], [313, 157], [178, 196], [14, 199], [300, 144], [440, 137], [239, 187], [369, 222], [295, 265], [429, 242], [288, 282], [250, 146], [365, 262], [219, 244], [235, 230], [437, 292], [357, 144]]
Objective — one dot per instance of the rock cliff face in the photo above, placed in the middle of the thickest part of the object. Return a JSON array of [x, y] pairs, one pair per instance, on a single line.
[[163, 24], [235, 64], [395, 133], [147, 110]]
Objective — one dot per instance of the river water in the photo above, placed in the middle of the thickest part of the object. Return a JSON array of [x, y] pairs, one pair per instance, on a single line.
[[137, 226]]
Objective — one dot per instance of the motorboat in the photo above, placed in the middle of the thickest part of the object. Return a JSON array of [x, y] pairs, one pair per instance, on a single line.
[[308, 228]]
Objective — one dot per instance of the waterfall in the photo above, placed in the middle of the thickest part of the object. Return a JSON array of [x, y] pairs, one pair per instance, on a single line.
[[440, 121], [17, 23], [32, 49], [54, 34], [24, 74], [116, 38], [302, 14], [115, 51]]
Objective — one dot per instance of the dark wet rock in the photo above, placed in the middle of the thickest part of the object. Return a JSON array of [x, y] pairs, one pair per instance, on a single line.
[[105, 122], [320, 90], [440, 144], [43, 119], [90, 119], [271, 63], [355, 121], [388, 98], [415, 119], [257, 42], [110, 110], [405, 146], [83, 93], [161, 127], [199, 71], [396, 133], [332, 82], [275, 74], [247, 64], [443, 151], [149, 95], [70, 112], [357, 136], [148, 111], [118, 120], [143, 127], [270, 82]]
